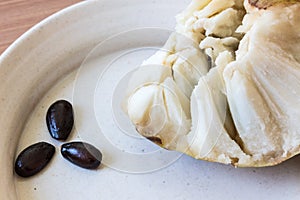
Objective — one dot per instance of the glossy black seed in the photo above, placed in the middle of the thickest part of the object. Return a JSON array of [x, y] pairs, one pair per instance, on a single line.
[[60, 119], [82, 154], [33, 159]]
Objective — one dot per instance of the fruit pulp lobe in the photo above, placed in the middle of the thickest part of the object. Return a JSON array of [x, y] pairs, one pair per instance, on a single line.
[[158, 92], [261, 89]]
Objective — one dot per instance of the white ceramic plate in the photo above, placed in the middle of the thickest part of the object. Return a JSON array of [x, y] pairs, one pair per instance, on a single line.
[[83, 54]]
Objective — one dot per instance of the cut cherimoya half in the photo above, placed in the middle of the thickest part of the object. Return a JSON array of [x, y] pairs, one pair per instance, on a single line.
[[226, 86]]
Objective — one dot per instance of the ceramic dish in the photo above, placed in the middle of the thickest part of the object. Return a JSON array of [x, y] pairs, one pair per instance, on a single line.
[[85, 54]]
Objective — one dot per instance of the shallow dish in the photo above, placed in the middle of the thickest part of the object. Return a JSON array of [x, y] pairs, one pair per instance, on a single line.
[[84, 54]]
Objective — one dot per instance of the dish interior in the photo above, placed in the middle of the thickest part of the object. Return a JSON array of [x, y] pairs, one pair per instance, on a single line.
[[90, 68]]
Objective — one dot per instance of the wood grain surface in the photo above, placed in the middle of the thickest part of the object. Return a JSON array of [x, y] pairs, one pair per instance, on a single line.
[[17, 16]]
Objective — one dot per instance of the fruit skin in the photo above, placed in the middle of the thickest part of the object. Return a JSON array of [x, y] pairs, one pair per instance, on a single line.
[[60, 119], [264, 4], [33, 159], [82, 154]]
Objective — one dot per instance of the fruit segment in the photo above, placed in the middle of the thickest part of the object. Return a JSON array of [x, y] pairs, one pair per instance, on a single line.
[[225, 87]]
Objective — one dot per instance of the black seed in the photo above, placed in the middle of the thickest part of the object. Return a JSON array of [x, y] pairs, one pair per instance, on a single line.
[[33, 159], [60, 119], [82, 154]]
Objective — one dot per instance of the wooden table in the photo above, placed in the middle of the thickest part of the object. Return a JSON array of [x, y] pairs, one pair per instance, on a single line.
[[17, 16]]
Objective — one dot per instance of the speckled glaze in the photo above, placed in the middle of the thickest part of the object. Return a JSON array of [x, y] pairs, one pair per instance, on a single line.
[[28, 68], [49, 54]]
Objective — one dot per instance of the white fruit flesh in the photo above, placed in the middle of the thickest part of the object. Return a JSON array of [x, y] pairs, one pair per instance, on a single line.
[[159, 91], [263, 87], [209, 138], [244, 110]]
